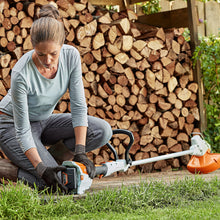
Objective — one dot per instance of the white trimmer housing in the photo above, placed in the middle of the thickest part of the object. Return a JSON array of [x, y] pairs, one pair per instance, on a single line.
[[199, 146]]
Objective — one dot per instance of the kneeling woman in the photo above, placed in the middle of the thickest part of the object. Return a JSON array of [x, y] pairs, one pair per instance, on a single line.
[[38, 81]]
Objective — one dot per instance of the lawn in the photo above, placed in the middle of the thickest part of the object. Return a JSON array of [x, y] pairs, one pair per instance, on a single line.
[[184, 199]]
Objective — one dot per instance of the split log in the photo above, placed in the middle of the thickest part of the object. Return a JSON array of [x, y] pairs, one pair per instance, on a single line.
[[184, 94], [123, 24]]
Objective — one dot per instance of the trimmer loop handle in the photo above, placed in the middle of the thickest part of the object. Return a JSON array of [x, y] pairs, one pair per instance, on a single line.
[[130, 135]]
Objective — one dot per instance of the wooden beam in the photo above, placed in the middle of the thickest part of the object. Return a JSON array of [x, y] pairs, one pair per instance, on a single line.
[[106, 2], [169, 19], [194, 41], [116, 2], [137, 1]]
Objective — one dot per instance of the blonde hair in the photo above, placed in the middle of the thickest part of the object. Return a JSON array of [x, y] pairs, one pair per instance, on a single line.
[[48, 26]]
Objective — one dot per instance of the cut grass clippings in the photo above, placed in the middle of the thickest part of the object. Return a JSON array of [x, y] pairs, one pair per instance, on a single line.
[[191, 198]]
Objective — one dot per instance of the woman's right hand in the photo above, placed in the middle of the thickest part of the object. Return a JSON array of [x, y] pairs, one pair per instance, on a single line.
[[83, 159], [80, 156], [49, 175]]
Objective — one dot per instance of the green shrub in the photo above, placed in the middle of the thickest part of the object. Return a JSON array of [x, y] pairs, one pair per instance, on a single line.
[[151, 7], [208, 53]]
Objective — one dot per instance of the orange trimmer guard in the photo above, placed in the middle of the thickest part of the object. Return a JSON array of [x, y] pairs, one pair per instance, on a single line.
[[207, 163]]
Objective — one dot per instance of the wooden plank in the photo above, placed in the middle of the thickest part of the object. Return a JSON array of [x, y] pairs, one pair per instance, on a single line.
[[192, 17], [170, 19], [165, 5], [177, 4], [212, 10], [106, 2], [137, 1], [121, 3]]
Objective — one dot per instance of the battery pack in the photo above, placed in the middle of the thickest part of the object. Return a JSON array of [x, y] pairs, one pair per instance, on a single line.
[[69, 179], [75, 177]]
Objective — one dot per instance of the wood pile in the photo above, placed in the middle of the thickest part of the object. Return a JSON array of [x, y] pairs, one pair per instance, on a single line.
[[136, 77]]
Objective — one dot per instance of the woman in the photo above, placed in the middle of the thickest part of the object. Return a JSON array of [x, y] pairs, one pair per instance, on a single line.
[[38, 81]]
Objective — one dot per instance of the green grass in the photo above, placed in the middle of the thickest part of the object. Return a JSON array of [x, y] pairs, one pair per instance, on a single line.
[[185, 199]]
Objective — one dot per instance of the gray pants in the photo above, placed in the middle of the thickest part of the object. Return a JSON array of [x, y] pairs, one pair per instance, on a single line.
[[45, 133]]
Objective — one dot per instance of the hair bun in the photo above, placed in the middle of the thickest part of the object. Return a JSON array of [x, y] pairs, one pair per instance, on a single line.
[[49, 10]]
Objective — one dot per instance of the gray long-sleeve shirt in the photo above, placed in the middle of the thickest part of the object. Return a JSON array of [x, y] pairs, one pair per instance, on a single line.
[[33, 97]]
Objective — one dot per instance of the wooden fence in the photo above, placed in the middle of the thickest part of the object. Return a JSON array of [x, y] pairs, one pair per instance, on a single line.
[[207, 13]]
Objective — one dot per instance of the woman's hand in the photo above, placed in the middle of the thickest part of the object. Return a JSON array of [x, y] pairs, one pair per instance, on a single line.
[[80, 156], [49, 175], [83, 159]]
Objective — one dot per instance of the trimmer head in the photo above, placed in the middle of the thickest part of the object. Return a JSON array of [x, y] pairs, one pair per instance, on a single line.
[[205, 162]]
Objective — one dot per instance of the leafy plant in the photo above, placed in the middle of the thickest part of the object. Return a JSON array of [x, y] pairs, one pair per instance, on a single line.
[[151, 7], [208, 53], [186, 34]]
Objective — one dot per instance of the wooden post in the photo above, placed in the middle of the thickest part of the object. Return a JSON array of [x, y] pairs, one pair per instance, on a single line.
[[197, 70]]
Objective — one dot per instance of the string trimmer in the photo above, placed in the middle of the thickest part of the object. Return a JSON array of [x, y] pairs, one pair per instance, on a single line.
[[202, 161]]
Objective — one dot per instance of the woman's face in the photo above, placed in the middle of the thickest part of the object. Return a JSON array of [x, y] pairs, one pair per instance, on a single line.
[[48, 53]]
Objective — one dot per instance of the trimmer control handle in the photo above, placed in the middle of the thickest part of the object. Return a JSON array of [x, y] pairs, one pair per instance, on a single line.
[[131, 136]]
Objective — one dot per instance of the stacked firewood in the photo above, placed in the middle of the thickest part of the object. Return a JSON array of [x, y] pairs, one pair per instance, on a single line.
[[136, 77]]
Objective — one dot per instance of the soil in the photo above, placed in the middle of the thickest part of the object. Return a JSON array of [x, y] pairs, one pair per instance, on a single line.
[[126, 180]]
